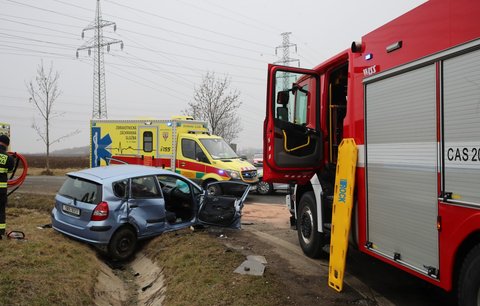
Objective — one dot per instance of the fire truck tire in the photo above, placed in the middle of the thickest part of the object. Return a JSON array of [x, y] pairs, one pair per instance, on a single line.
[[311, 241], [469, 279]]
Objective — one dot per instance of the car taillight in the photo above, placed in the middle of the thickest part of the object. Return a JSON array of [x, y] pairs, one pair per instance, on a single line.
[[100, 212]]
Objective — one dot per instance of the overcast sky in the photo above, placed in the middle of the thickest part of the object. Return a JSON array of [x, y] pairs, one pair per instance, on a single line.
[[168, 47]]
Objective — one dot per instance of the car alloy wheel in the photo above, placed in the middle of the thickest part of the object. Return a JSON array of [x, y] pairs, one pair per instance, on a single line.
[[264, 188]]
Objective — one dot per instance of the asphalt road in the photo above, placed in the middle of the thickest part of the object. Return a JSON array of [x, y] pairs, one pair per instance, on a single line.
[[392, 285]]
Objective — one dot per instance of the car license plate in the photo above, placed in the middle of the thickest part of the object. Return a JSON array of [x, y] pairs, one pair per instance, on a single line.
[[71, 210]]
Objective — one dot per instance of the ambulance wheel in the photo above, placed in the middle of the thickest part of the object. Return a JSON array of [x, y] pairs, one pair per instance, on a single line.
[[123, 244], [469, 280], [213, 189], [311, 240]]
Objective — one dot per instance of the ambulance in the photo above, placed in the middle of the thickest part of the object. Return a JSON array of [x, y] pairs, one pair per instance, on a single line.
[[180, 144]]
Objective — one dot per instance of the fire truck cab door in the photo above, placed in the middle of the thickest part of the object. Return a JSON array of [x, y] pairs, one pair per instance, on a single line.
[[293, 141]]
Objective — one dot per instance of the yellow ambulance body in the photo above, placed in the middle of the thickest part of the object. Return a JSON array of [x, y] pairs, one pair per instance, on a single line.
[[180, 144]]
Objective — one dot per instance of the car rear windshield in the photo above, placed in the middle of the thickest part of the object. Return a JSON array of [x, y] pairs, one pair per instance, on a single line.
[[81, 190]]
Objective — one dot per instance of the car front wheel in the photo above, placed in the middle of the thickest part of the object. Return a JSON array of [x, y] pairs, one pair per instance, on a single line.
[[264, 188], [123, 244]]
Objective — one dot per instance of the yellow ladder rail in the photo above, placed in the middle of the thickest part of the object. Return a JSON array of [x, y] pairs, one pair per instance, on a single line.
[[342, 212]]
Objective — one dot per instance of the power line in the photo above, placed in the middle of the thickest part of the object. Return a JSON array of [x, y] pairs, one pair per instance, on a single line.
[[47, 10], [36, 51], [40, 20], [194, 46], [201, 59], [165, 75], [203, 39], [236, 13], [36, 26], [40, 34], [143, 84], [189, 25], [16, 37]]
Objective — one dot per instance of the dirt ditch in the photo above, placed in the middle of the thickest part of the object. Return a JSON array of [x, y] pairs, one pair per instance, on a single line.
[[139, 282]]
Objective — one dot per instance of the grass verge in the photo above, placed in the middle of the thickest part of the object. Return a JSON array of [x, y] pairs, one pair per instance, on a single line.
[[50, 269], [198, 269], [46, 268]]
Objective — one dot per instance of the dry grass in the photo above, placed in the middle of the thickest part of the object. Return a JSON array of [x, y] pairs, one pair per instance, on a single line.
[[59, 165], [199, 271], [57, 172], [58, 162], [47, 268], [51, 269]]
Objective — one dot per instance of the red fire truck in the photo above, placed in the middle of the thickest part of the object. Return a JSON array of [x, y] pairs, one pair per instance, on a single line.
[[408, 94]]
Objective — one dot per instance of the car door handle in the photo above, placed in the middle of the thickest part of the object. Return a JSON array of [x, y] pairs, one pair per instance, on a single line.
[[182, 164], [133, 205]]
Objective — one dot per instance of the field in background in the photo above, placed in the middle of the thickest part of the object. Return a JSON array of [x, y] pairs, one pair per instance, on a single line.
[[58, 162], [59, 165]]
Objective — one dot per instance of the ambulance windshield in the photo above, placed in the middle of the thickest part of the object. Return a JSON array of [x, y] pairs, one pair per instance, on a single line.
[[218, 148]]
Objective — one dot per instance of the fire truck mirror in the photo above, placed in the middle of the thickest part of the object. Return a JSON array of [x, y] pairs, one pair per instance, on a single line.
[[282, 97]]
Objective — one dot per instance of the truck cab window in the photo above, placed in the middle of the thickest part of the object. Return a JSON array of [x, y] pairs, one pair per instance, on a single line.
[[301, 99], [297, 137], [188, 148], [192, 150], [292, 98]]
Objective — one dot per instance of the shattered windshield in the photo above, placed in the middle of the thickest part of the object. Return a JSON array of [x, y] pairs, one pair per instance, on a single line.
[[218, 148]]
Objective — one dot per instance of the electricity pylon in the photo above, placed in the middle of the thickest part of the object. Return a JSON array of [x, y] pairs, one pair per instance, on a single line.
[[97, 43], [286, 59]]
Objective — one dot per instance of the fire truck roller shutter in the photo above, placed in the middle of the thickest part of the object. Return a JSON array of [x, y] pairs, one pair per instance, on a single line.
[[401, 146], [461, 79]]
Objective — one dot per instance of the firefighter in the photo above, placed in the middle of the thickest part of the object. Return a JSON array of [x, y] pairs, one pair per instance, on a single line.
[[6, 165]]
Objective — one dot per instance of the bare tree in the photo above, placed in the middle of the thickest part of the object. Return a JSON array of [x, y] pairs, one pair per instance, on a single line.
[[215, 103], [44, 93]]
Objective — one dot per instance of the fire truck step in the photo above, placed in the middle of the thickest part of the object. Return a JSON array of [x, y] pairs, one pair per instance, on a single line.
[[342, 210]]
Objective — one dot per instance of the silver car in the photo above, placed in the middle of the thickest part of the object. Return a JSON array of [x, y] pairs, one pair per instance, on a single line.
[[112, 207], [265, 188]]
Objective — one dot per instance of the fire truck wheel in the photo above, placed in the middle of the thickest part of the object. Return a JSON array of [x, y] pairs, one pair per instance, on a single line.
[[310, 239], [469, 280], [123, 243]]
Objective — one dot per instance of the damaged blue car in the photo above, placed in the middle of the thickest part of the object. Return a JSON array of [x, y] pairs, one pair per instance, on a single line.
[[113, 207]]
